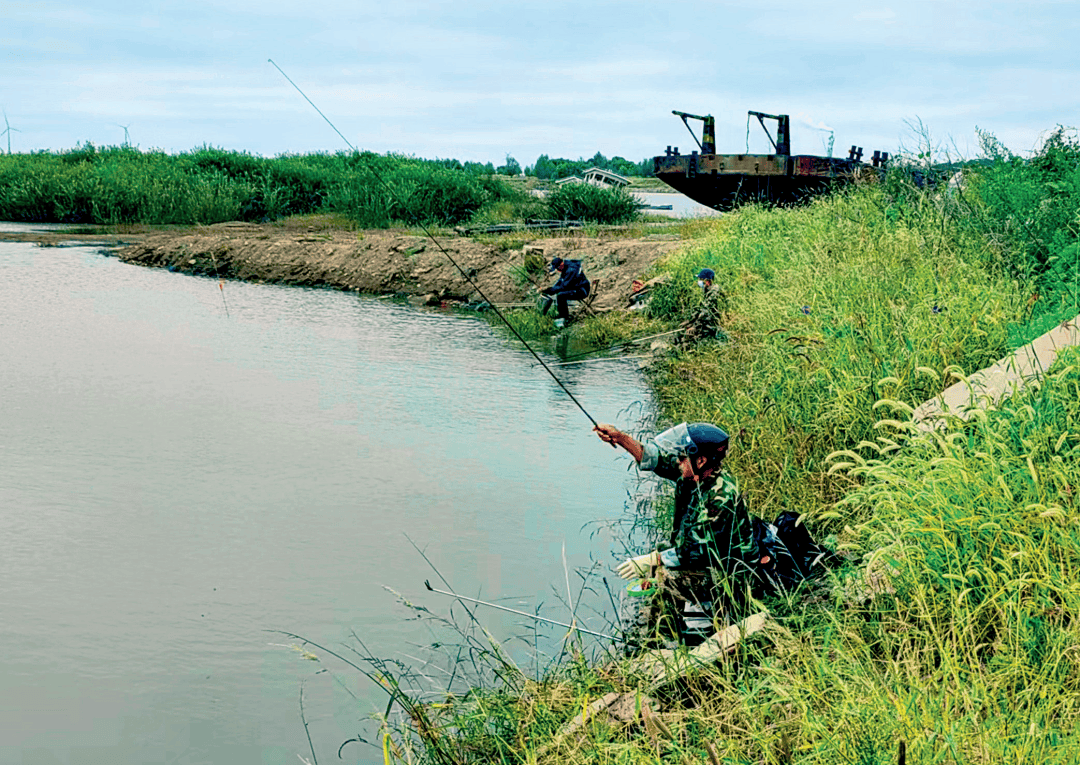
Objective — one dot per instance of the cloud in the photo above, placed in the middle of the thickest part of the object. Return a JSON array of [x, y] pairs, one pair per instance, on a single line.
[[807, 121], [423, 76], [599, 72]]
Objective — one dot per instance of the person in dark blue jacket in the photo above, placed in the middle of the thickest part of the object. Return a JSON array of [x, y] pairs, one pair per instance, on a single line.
[[572, 285]]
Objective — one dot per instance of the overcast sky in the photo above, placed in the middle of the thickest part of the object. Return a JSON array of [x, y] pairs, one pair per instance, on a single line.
[[480, 80]]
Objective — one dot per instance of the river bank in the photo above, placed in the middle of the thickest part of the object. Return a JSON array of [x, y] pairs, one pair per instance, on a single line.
[[382, 261]]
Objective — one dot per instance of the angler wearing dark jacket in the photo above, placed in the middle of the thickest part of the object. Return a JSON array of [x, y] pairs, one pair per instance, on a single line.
[[572, 285]]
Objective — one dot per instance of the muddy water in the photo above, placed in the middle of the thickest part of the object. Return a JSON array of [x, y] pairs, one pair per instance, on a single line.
[[180, 473]]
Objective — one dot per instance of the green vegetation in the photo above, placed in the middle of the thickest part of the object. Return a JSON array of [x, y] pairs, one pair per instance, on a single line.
[[952, 626], [122, 185], [596, 333], [951, 629], [826, 301], [547, 168], [1029, 209], [583, 201]]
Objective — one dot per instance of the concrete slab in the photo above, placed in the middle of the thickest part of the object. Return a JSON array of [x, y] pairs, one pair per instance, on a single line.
[[987, 388]]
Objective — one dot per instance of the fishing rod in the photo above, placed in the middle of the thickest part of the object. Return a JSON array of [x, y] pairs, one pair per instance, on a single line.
[[521, 613], [449, 257]]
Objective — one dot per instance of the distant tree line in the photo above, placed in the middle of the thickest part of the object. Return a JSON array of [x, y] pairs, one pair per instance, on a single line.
[[549, 169]]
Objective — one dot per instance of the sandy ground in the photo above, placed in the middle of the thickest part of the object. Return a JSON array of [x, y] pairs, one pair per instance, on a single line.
[[385, 262]]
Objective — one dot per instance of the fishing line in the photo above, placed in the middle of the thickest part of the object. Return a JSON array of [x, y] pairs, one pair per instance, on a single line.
[[449, 257], [221, 283], [535, 617]]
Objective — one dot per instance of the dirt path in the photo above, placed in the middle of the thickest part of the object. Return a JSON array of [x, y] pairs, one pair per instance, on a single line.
[[382, 262]]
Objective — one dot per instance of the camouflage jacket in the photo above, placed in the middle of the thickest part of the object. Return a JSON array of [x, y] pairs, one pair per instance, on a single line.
[[711, 528], [706, 322]]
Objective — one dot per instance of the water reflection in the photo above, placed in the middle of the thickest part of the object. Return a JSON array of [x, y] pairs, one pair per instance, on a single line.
[[178, 480]]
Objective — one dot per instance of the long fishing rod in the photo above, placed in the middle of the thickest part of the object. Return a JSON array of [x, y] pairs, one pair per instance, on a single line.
[[443, 250], [521, 613]]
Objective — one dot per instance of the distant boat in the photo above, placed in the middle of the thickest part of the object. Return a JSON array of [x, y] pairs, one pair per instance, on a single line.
[[724, 181]]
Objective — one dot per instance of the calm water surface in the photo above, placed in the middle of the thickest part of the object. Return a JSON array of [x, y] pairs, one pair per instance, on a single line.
[[179, 475], [682, 206]]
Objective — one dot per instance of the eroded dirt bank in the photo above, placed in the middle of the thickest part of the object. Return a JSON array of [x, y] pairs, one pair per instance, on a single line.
[[382, 262]]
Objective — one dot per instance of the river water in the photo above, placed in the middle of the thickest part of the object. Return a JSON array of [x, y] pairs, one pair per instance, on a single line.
[[185, 469], [682, 206]]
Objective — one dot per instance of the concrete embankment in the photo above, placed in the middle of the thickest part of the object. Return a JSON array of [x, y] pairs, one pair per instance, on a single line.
[[988, 387]]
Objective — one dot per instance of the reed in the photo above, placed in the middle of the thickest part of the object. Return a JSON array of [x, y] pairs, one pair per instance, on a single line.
[[122, 185]]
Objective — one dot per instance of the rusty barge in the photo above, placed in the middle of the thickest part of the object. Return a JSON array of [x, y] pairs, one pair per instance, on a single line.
[[724, 181]]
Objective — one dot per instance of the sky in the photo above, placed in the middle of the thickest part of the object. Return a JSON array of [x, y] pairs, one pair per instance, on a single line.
[[478, 81]]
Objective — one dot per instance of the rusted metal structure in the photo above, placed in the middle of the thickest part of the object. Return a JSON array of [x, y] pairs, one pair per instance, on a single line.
[[723, 181]]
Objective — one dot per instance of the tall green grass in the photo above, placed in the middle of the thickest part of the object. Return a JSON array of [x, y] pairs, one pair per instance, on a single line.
[[117, 185], [832, 306], [113, 185]]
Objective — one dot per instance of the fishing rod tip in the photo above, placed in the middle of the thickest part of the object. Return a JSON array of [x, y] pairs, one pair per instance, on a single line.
[[428, 585]]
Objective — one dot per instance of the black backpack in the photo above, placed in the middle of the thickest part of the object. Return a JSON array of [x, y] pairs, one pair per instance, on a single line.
[[788, 555]]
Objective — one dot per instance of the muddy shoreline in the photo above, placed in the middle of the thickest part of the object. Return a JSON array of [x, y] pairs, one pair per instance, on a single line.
[[381, 262]]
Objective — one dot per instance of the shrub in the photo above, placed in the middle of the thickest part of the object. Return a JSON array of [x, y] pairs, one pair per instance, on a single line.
[[586, 202], [1031, 209], [380, 190]]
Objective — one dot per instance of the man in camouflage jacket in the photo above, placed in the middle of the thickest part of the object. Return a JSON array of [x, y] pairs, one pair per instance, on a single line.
[[711, 560]]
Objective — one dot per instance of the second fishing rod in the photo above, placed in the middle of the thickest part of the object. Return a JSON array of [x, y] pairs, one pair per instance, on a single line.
[[420, 224]]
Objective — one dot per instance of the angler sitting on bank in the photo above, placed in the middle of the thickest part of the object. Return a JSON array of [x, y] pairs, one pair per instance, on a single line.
[[705, 323], [718, 556], [572, 285], [712, 553]]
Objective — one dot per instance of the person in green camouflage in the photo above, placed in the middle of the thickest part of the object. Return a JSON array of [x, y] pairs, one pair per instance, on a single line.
[[705, 324], [713, 552]]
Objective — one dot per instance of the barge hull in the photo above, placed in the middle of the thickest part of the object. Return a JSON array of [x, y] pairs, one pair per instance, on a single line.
[[724, 181]]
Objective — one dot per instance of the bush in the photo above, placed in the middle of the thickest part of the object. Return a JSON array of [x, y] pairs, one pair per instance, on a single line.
[[595, 204], [1031, 210]]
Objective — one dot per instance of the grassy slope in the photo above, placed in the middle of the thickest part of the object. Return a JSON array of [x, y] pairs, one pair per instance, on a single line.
[[952, 627], [832, 307]]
